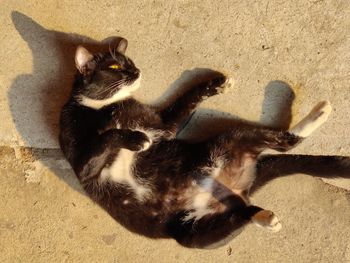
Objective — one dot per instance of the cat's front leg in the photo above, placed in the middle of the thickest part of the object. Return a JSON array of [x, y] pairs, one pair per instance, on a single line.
[[93, 158], [124, 138], [136, 141], [183, 106]]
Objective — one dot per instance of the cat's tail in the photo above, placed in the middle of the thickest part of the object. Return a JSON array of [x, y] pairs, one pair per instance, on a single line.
[[273, 166]]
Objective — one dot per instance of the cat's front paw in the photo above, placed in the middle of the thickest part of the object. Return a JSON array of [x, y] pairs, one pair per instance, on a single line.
[[139, 142], [226, 86], [218, 85], [145, 146]]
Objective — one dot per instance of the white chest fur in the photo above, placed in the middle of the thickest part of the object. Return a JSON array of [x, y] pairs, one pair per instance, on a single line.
[[121, 171]]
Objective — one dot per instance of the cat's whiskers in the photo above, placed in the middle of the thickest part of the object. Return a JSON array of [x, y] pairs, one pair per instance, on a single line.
[[110, 88], [113, 84]]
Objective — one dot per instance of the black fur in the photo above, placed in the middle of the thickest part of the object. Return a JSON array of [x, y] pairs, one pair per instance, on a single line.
[[173, 170]]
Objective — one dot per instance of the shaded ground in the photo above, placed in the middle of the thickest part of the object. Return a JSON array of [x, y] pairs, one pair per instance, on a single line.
[[43, 219]]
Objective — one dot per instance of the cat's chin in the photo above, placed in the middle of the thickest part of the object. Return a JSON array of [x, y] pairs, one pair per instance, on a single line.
[[122, 94], [135, 85]]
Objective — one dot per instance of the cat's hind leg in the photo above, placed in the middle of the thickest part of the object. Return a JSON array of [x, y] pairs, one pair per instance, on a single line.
[[317, 116], [216, 230], [286, 140], [262, 218]]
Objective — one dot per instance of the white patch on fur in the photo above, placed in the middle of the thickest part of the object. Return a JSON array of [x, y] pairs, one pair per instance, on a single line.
[[154, 213], [199, 205], [122, 94], [318, 115], [152, 134], [121, 172], [203, 193], [145, 146], [217, 169], [118, 125]]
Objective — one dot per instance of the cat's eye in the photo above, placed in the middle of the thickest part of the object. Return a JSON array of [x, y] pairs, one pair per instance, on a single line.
[[114, 66]]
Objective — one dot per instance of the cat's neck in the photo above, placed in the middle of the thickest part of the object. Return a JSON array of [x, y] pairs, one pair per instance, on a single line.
[[120, 95]]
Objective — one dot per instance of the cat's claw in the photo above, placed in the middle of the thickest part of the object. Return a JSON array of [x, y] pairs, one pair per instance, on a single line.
[[226, 86]]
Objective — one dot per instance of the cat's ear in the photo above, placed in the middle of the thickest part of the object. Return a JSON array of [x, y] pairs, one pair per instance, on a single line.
[[83, 60], [122, 45]]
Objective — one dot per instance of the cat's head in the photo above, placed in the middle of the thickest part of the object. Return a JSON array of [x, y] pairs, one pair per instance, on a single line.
[[107, 77]]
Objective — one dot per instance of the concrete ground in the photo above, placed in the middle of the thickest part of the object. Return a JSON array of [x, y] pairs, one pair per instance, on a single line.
[[285, 57], [45, 217]]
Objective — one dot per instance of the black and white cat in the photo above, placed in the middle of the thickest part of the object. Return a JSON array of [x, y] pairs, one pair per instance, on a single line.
[[128, 159]]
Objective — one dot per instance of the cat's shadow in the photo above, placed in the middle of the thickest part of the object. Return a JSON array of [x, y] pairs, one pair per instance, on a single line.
[[35, 100], [38, 97], [276, 108]]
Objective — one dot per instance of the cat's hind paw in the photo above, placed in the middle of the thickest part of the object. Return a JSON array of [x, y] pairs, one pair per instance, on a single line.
[[268, 220], [318, 115]]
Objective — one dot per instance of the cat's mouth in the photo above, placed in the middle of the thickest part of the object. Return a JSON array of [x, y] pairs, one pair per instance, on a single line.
[[120, 94], [135, 84]]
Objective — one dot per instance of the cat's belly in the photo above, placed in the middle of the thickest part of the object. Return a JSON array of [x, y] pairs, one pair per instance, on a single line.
[[223, 181], [199, 196]]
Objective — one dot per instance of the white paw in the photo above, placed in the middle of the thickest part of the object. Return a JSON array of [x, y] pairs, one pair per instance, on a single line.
[[145, 146], [268, 220], [275, 225], [318, 115], [226, 86], [322, 110]]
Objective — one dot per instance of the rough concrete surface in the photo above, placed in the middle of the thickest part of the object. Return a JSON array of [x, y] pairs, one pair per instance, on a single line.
[[302, 43], [285, 56], [45, 217]]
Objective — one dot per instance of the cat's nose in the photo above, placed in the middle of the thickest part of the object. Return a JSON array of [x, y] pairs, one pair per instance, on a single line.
[[135, 72]]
